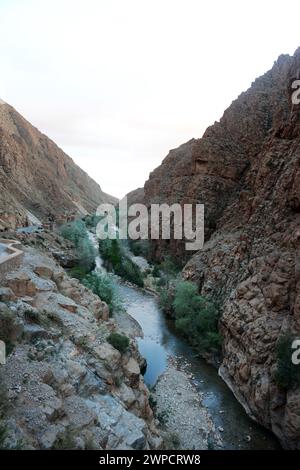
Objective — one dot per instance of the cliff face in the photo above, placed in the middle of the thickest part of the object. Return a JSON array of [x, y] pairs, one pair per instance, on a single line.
[[212, 170], [246, 170], [37, 176]]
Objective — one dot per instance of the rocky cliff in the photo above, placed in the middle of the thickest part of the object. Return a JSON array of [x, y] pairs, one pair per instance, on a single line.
[[37, 176], [64, 386], [246, 170]]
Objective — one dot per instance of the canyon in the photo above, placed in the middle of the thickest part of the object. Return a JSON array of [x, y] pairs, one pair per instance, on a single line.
[[66, 384]]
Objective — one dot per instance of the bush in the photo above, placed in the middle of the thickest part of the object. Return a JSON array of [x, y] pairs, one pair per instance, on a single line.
[[129, 271], [111, 251], [166, 298], [78, 272], [119, 342], [140, 248], [91, 221], [86, 254], [156, 271], [76, 233], [287, 375], [103, 286], [196, 318], [170, 267], [116, 259]]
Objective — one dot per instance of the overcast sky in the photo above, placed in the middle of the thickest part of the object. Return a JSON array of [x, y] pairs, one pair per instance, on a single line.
[[117, 83]]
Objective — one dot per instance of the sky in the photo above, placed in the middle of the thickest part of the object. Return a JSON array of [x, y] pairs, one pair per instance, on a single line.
[[117, 84]]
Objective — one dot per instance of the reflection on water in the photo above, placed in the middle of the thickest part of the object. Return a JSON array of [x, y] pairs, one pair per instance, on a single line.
[[160, 341]]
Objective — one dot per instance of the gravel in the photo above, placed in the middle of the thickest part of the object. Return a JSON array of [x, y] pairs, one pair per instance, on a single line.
[[184, 421]]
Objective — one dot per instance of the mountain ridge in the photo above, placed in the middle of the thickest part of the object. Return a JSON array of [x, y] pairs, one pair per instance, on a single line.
[[37, 176]]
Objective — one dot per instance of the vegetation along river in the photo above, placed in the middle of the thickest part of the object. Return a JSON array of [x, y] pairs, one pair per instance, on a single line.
[[160, 342]]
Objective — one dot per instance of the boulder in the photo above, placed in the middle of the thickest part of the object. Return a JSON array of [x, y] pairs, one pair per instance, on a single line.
[[132, 372], [7, 295], [109, 355]]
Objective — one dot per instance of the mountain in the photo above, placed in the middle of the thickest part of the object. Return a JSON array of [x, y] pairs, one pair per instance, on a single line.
[[37, 176], [246, 170]]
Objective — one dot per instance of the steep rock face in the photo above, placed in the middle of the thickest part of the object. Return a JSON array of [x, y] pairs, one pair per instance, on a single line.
[[211, 170], [36, 175], [246, 170]]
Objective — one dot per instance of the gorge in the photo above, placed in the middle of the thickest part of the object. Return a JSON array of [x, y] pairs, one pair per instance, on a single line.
[[73, 377]]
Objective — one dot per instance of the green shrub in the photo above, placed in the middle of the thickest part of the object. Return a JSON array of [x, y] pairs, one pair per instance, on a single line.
[[76, 233], [103, 286], [116, 259], [129, 271], [119, 342], [111, 251], [79, 272], [65, 441], [170, 267], [86, 253], [287, 375], [91, 221], [156, 271], [187, 301], [196, 318], [166, 297], [140, 248]]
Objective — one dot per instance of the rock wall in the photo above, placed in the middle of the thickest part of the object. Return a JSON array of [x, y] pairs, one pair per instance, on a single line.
[[246, 170], [12, 257]]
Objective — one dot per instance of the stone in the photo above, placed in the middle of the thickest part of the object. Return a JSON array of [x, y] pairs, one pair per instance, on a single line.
[[109, 355], [34, 332], [132, 372], [126, 394], [7, 295], [78, 414], [44, 272]]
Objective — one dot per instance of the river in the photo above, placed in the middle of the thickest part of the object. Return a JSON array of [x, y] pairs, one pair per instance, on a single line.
[[161, 341]]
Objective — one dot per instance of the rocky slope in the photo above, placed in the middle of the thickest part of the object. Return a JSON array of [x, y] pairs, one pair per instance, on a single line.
[[246, 170], [37, 176], [64, 386]]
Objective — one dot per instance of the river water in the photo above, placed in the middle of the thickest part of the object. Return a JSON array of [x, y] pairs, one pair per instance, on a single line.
[[161, 341]]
